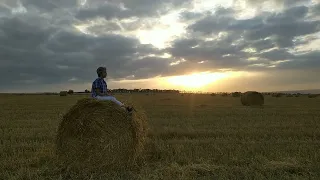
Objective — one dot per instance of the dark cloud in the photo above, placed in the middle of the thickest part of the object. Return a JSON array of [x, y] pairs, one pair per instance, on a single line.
[[219, 21], [104, 28], [286, 30], [247, 24], [212, 54], [315, 10], [186, 15], [309, 61], [276, 54], [285, 3], [148, 67], [129, 8], [269, 34], [49, 5], [282, 26], [187, 43], [149, 8], [4, 11], [261, 45], [282, 41], [20, 34], [289, 15], [39, 53], [107, 11]]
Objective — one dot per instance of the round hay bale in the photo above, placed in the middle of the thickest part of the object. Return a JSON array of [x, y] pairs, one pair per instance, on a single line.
[[70, 91], [236, 94], [277, 95], [63, 93], [99, 135], [312, 95], [252, 98], [224, 94]]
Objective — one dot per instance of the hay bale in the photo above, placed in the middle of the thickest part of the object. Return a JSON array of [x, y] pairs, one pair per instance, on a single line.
[[277, 95], [70, 91], [224, 94], [99, 135], [63, 93], [236, 94], [252, 98], [312, 95]]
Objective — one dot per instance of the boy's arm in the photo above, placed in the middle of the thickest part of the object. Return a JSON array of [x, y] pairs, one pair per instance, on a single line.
[[96, 88]]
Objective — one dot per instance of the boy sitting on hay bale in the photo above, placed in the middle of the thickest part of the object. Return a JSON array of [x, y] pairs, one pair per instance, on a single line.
[[99, 89]]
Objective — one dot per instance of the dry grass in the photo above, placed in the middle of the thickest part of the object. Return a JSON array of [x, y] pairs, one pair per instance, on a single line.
[[221, 140]]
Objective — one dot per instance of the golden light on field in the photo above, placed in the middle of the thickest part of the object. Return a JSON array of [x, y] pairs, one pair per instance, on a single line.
[[197, 80]]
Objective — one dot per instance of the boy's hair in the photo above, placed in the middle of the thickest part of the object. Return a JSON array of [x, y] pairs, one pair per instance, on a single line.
[[100, 70]]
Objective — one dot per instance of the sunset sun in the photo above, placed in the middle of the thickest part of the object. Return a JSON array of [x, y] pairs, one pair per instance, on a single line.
[[196, 81]]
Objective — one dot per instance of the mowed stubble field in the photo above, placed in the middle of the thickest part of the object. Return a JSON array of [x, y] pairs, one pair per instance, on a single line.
[[191, 137]]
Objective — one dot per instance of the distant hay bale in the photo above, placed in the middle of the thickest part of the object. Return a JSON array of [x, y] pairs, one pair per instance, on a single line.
[[277, 95], [63, 93], [70, 91], [296, 95], [224, 94], [312, 95], [236, 94], [252, 98], [99, 135]]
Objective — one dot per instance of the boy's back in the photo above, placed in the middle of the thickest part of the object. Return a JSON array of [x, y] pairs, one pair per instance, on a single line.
[[100, 84]]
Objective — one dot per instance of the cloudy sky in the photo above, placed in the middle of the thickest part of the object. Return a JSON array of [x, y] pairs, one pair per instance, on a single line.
[[207, 45]]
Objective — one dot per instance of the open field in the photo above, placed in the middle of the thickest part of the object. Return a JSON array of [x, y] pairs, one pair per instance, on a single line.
[[191, 137]]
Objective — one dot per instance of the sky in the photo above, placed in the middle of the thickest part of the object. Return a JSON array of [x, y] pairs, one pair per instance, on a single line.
[[193, 45]]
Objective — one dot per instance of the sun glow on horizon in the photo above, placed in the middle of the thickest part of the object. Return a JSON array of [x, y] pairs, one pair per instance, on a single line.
[[196, 80]]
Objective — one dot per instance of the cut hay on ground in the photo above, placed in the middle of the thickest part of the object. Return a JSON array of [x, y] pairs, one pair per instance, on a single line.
[[63, 93], [252, 98], [95, 135]]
